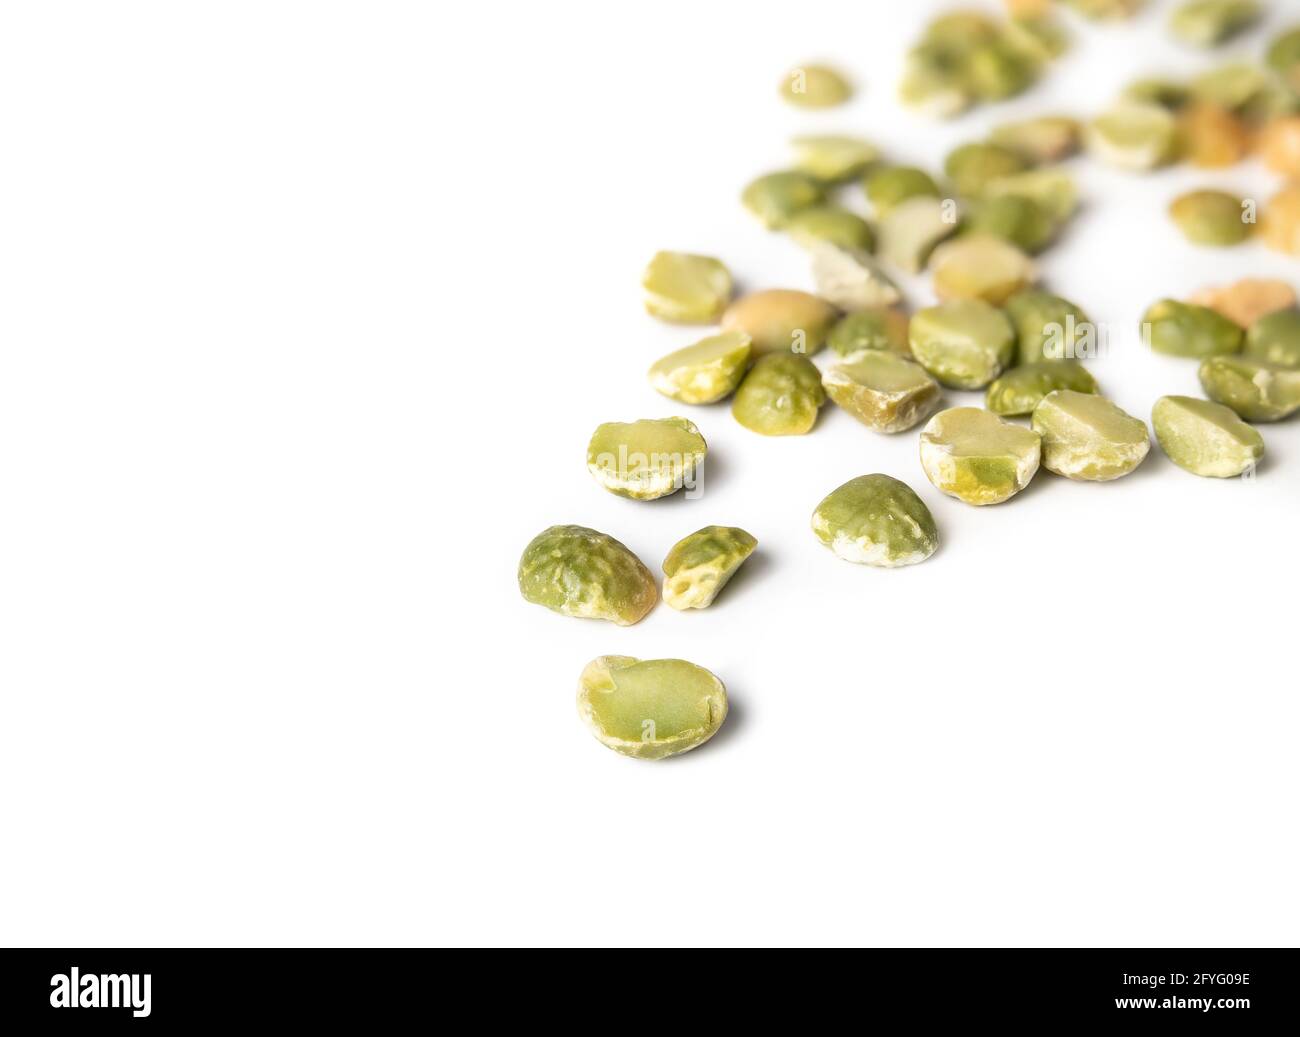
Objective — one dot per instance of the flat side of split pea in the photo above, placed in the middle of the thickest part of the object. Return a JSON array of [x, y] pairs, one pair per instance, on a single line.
[[705, 372], [645, 459], [975, 456], [650, 709], [1205, 438], [686, 288], [1087, 437]]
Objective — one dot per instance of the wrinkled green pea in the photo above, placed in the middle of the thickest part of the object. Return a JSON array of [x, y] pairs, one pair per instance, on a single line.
[[1257, 391], [775, 197], [815, 86], [1211, 217], [876, 520], [1185, 329], [699, 565], [1048, 138], [975, 456], [833, 224], [981, 266], [1018, 391], [850, 278], [833, 158], [650, 709], [1207, 23], [883, 328], [686, 288], [1050, 328], [780, 396], [705, 372], [782, 320], [1087, 437], [646, 459], [1019, 220], [911, 230], [1205, 438], [577, 571], [972, 167], [1275, 339], [965, 344], [1134, 135], [884, 391], [893, 185]]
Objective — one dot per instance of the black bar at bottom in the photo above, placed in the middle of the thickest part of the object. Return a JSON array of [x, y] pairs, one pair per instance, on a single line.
[[161, 988]]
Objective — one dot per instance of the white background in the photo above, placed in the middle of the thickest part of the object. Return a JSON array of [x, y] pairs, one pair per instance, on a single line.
[[308, 310]]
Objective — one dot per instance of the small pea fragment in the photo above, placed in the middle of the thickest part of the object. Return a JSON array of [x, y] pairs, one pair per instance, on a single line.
[[782, 320], [1087, 437], [780, 396], [775, 197], [833, 224], [876, 520], [1015, 219], [1018, 391], [981, 266], [1049, 327], [1247, 301], [1053, 190], [1048, 138], [911, 230], [646, 459], [883, 328], [705, 372], [1284, 57], [1211, 217], [975, 456], [686, 288], [1134, 135], [833, 158], [1275, 339], [653, 708], [850, 278], [581, 572], [894, 185], [815, 86], [699, 566], [1205, 438], [1256, 390], [965, 344], [1185, 329], [884, 391], [1207, 23], [972, 167]]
